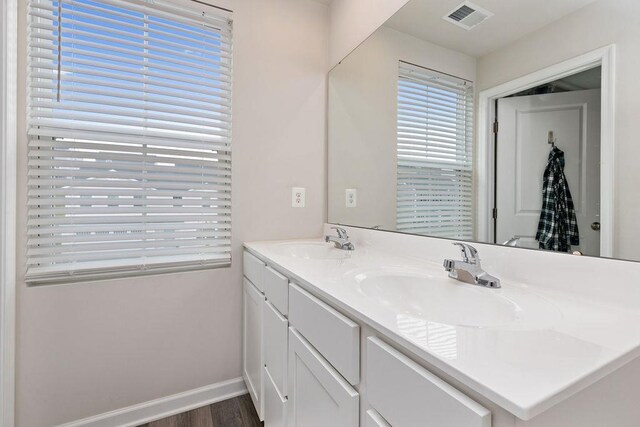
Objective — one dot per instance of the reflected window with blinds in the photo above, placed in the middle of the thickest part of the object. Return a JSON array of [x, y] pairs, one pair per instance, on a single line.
[[434, 153], [129, 124]]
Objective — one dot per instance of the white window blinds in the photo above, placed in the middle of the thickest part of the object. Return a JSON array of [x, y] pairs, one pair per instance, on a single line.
[[435, 124], [129, 165]]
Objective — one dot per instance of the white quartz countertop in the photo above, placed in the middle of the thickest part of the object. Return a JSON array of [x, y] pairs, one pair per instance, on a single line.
[[523, 347]]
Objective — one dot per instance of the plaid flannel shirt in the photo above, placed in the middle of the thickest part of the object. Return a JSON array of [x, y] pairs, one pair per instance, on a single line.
[[558, 227]]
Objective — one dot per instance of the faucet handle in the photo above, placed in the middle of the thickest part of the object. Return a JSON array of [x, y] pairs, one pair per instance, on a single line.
[[342, 233], [469, 253]]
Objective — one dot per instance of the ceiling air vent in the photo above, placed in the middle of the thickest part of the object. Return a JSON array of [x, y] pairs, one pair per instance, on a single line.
[[467, 15]]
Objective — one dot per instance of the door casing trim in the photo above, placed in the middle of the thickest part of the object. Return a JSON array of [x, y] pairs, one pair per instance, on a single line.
[[8, 146]]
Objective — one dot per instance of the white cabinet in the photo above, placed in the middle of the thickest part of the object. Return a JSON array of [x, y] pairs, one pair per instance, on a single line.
[[301, 364], [318, 395], [252, 359], [334, 335], [275, 331], [408, 395], [275, 405]]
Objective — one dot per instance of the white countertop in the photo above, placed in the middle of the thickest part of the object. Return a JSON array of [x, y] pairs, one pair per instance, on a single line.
[[525, 366]]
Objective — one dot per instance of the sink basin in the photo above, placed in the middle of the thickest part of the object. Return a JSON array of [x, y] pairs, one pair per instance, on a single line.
[[446, 301], [313, 250]]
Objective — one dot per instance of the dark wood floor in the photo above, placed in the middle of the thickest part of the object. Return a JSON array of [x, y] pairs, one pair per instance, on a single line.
[[236, 412]]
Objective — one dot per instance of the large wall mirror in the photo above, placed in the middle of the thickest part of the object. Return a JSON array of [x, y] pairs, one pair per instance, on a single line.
[[503, 122]]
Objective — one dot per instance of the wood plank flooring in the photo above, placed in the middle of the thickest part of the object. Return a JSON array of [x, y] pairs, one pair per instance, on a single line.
[[236, 412]]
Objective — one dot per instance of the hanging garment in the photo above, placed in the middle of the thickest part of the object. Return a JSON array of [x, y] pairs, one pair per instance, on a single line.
[[558, 227]]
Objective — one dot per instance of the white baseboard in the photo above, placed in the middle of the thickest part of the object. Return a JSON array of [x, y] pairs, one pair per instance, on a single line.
[[165, 407]]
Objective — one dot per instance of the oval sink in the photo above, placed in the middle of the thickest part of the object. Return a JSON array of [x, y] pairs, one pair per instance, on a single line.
[[444, 300], [313, 250]]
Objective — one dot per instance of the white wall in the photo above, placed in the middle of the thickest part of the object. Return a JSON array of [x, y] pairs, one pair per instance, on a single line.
[[362, 152], [352, 21], [599, 24], [87, 348]]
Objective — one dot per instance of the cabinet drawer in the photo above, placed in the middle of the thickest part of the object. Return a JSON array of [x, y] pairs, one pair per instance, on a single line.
[[406, 394], [374, 419], [275, 406], [275, 346], [335, 336], [254, 270], [318, 394], [276, 289]]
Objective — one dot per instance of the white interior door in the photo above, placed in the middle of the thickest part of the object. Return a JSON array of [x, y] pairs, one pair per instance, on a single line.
[[522, 153]]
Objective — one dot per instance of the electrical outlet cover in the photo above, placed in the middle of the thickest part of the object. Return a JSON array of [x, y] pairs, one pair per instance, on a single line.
[[298, 197], [351, 197]]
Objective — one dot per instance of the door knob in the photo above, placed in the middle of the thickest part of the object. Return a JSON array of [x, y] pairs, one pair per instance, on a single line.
[[595, 226]]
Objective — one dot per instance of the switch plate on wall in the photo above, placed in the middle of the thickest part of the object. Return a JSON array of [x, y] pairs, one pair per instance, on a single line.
[[297, 197], [351, 197]]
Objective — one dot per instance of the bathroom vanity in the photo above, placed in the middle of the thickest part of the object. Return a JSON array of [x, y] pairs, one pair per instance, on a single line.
[[381, 336]]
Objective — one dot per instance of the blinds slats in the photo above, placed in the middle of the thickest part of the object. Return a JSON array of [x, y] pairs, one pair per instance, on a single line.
[[129, 117], [131, 92], [203, 144], [157, 236], [82, 66], [84, 229], [126, 254], [434, 182], [86, 220]]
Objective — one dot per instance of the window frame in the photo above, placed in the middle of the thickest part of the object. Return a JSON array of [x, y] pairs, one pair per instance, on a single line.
[[116, 270], [427, 171]]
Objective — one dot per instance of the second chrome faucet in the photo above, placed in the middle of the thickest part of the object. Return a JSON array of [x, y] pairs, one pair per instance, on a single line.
[[469, 270]]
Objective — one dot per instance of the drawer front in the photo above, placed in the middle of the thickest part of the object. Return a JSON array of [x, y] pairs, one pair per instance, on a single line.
[[275, 406], [275, 346], [335, 336], [254, 270], [318, 394], [374, 419], [276, 289], [406, 394]]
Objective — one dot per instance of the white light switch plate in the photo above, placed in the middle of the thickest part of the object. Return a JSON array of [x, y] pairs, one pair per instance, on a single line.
[[351, 197], [297, 197]]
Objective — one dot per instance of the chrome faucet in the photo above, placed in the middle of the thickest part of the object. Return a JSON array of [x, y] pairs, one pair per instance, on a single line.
[[469, 270], [341, 241], [512, 241]]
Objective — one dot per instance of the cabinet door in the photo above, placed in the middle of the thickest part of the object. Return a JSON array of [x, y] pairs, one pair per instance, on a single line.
[[275, 405], [275, 333], [318, 395], [252, 358]]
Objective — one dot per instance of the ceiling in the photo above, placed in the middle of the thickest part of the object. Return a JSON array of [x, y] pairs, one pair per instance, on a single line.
[[512, 20]]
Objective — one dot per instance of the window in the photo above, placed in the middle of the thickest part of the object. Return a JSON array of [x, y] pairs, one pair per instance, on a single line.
[[129, 125], [435, 124]]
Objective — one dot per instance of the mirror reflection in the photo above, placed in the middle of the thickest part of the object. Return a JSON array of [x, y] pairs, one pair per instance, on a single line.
[[493, 121]]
